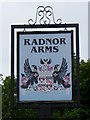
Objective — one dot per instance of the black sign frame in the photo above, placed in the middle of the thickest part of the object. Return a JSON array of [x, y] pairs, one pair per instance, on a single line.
[[51, 104]]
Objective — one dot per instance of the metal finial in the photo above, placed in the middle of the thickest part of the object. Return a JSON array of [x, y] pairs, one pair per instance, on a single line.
[[44, 15]]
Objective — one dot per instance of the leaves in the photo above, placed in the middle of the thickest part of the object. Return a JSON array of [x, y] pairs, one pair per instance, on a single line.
[[7, 112], [82, 113], [72, 114]]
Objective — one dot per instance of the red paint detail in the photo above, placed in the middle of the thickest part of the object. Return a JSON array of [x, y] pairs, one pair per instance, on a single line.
[[42, 88], [67, 78], [40, 68], [49, 81], [23, 80]]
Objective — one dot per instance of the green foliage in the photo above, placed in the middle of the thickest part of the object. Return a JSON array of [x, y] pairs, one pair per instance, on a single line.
[[82, 113], [7, 112], [74, 114], [85, 82]]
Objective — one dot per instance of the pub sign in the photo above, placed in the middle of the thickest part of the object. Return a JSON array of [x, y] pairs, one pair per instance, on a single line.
[[45, 66]]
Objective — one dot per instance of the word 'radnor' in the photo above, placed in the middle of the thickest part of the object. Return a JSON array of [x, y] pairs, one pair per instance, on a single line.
[[45, 45]]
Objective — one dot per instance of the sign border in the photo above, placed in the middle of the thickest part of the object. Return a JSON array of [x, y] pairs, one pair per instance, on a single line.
[[18, 52], [73, 104]]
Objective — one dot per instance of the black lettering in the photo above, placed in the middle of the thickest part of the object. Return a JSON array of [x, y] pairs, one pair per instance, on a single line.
[[41, 49], [48, 49], [48, 41], [62, 40], [41, 41], [34, 42], [55, 41], [34, 50], [55, 49], [26, 41]]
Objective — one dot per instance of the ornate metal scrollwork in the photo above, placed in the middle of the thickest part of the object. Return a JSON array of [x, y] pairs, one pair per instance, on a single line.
[[44, 15]]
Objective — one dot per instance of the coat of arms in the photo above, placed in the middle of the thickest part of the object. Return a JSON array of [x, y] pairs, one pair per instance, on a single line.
[[45, 77]]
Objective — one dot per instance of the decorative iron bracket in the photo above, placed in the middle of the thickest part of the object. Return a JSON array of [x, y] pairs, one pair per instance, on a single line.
[[44, 15]]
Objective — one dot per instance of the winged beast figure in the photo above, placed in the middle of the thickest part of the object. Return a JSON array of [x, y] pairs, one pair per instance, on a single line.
[[32, 76], [58, 75]]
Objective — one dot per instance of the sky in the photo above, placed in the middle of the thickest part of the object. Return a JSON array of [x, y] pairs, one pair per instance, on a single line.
[[20, 12]]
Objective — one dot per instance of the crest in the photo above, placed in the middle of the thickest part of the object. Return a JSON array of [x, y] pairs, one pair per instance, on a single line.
[[45, 77]]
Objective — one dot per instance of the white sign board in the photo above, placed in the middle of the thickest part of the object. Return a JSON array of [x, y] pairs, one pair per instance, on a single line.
[[45, 66]]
